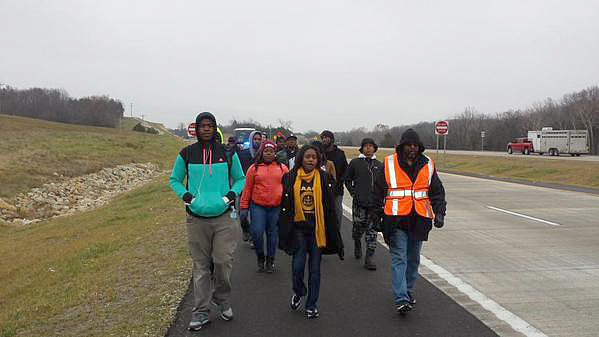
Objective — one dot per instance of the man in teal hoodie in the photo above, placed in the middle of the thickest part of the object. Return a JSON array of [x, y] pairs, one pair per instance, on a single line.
[[208, 178]]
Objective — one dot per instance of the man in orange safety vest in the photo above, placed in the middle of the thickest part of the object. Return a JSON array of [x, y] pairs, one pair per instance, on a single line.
[[414, 201]]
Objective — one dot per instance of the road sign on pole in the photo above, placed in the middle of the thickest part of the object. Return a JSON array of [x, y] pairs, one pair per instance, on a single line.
[[191, 130], [483, 134], [441, 128]]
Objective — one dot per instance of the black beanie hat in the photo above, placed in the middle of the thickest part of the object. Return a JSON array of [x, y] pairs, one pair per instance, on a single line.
[[327, 133], [368, 141], [410, 137]]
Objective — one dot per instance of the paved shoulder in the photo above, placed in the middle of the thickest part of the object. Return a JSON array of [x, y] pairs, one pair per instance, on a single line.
[[353, 302]]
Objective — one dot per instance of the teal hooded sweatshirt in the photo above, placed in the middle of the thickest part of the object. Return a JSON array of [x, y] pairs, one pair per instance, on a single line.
[[209, 172]]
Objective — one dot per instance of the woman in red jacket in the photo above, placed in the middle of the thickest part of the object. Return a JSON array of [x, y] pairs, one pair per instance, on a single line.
[[261, 198]]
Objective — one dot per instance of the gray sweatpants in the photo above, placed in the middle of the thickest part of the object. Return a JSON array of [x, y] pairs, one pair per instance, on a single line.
[[212, 240]]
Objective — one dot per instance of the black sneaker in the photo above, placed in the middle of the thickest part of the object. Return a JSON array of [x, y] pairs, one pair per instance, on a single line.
[[198, 321], [295, 301], [270, 264], [412, 300], [312, 313], [246, 236], [261, 264], [403, 308]]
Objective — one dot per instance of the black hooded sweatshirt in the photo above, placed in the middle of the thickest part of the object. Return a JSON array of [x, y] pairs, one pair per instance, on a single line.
[[417, 226]]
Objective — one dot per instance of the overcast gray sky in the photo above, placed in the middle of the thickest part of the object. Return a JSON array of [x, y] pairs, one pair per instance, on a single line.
[[322, 64]]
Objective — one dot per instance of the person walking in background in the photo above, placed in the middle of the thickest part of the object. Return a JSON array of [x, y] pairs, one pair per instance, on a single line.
[[247, 158], [262, 196], [308, 225], [360, 179], [208, 181], [337, 156], [287, 154], [280, 142], [232, 145], [326, 165], [414, 200]]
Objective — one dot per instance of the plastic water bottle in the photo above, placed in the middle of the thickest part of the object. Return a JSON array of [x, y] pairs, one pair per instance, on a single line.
[[234, 214]]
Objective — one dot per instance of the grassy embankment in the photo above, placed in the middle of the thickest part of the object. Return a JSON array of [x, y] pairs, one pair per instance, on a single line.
[[536, 170], [119, 270]]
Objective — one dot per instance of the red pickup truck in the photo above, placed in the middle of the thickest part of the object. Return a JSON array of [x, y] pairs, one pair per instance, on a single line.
[[522, 145]]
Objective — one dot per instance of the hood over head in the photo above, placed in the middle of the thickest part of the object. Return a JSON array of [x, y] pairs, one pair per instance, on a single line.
[[252, 149], [206, 115], [410, 137]]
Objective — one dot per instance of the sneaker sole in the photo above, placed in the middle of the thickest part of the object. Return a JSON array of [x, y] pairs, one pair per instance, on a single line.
[[199, 327], [226, 318]]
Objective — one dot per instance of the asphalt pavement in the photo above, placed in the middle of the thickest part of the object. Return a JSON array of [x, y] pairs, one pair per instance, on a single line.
[[353, 302]]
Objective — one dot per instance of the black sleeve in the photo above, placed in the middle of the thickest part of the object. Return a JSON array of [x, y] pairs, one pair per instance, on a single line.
[[380, 187], [348, 178], [437, 195], [342, 166]]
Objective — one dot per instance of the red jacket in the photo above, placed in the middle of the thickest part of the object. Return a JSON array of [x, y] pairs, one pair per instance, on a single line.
[[263, 185]]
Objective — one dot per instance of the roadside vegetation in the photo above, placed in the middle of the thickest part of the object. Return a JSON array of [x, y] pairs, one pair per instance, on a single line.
[[34, 152], [534, 170], [119, 270]]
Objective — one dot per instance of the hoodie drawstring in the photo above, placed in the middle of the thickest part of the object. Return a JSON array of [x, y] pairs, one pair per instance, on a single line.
[[209, 159]]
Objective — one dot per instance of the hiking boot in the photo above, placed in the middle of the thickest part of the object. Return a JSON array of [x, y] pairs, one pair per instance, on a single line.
[[270, 264], [358, 249], [403, 307], [261, 264], [369, 262], [312, 313], [295, 302], [198, 321]]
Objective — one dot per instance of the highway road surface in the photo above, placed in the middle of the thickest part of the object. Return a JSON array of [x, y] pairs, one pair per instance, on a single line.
[[512, 260]]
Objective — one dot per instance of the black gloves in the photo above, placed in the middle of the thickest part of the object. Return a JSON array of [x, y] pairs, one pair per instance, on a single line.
[[439, 220], [188, 197], [231, 196], [376, 218]]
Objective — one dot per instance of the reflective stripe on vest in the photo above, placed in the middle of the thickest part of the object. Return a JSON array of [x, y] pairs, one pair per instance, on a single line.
[[403, 196]]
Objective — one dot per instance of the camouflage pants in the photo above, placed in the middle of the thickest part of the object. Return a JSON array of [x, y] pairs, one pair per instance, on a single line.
[[362, 226]]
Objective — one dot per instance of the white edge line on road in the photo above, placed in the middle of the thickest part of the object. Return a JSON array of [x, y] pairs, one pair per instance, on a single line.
[[502, 313], [524, 216]]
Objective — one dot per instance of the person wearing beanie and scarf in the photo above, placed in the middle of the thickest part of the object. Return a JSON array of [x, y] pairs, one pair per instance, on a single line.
[[208, 181], [262, 196], [360, 179], [308, 225], [414, 200], [337, 156]]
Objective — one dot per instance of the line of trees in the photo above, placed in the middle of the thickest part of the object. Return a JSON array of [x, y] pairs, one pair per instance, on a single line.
[[56, 105], [578, 110]]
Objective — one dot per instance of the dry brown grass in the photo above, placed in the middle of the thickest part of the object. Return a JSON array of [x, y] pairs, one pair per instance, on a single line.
[[33, 152], [116, 271], [560, 172]]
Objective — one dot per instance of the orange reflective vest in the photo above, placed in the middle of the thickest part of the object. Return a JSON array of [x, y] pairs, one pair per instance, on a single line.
[[403, 196]]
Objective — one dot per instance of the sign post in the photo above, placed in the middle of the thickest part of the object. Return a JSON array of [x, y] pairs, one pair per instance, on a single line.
[[191, 130], [442, 129], [483, 134]]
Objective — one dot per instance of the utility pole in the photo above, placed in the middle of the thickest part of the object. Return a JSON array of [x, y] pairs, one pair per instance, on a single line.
[[131, 110]]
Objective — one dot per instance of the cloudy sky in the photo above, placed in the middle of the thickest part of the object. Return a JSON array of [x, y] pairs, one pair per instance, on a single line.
[[322, 64]]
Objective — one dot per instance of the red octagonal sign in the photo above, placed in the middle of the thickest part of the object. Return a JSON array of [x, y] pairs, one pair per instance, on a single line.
[[191, 130], [442, 128]]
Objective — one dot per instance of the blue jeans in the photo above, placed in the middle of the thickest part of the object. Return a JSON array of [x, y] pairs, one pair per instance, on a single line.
[[306, 244], [405, 259], [265, 219]]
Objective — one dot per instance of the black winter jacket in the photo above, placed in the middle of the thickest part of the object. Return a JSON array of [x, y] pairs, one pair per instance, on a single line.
[[360, 179], [287, 238], [337, 156], [417, 226]]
